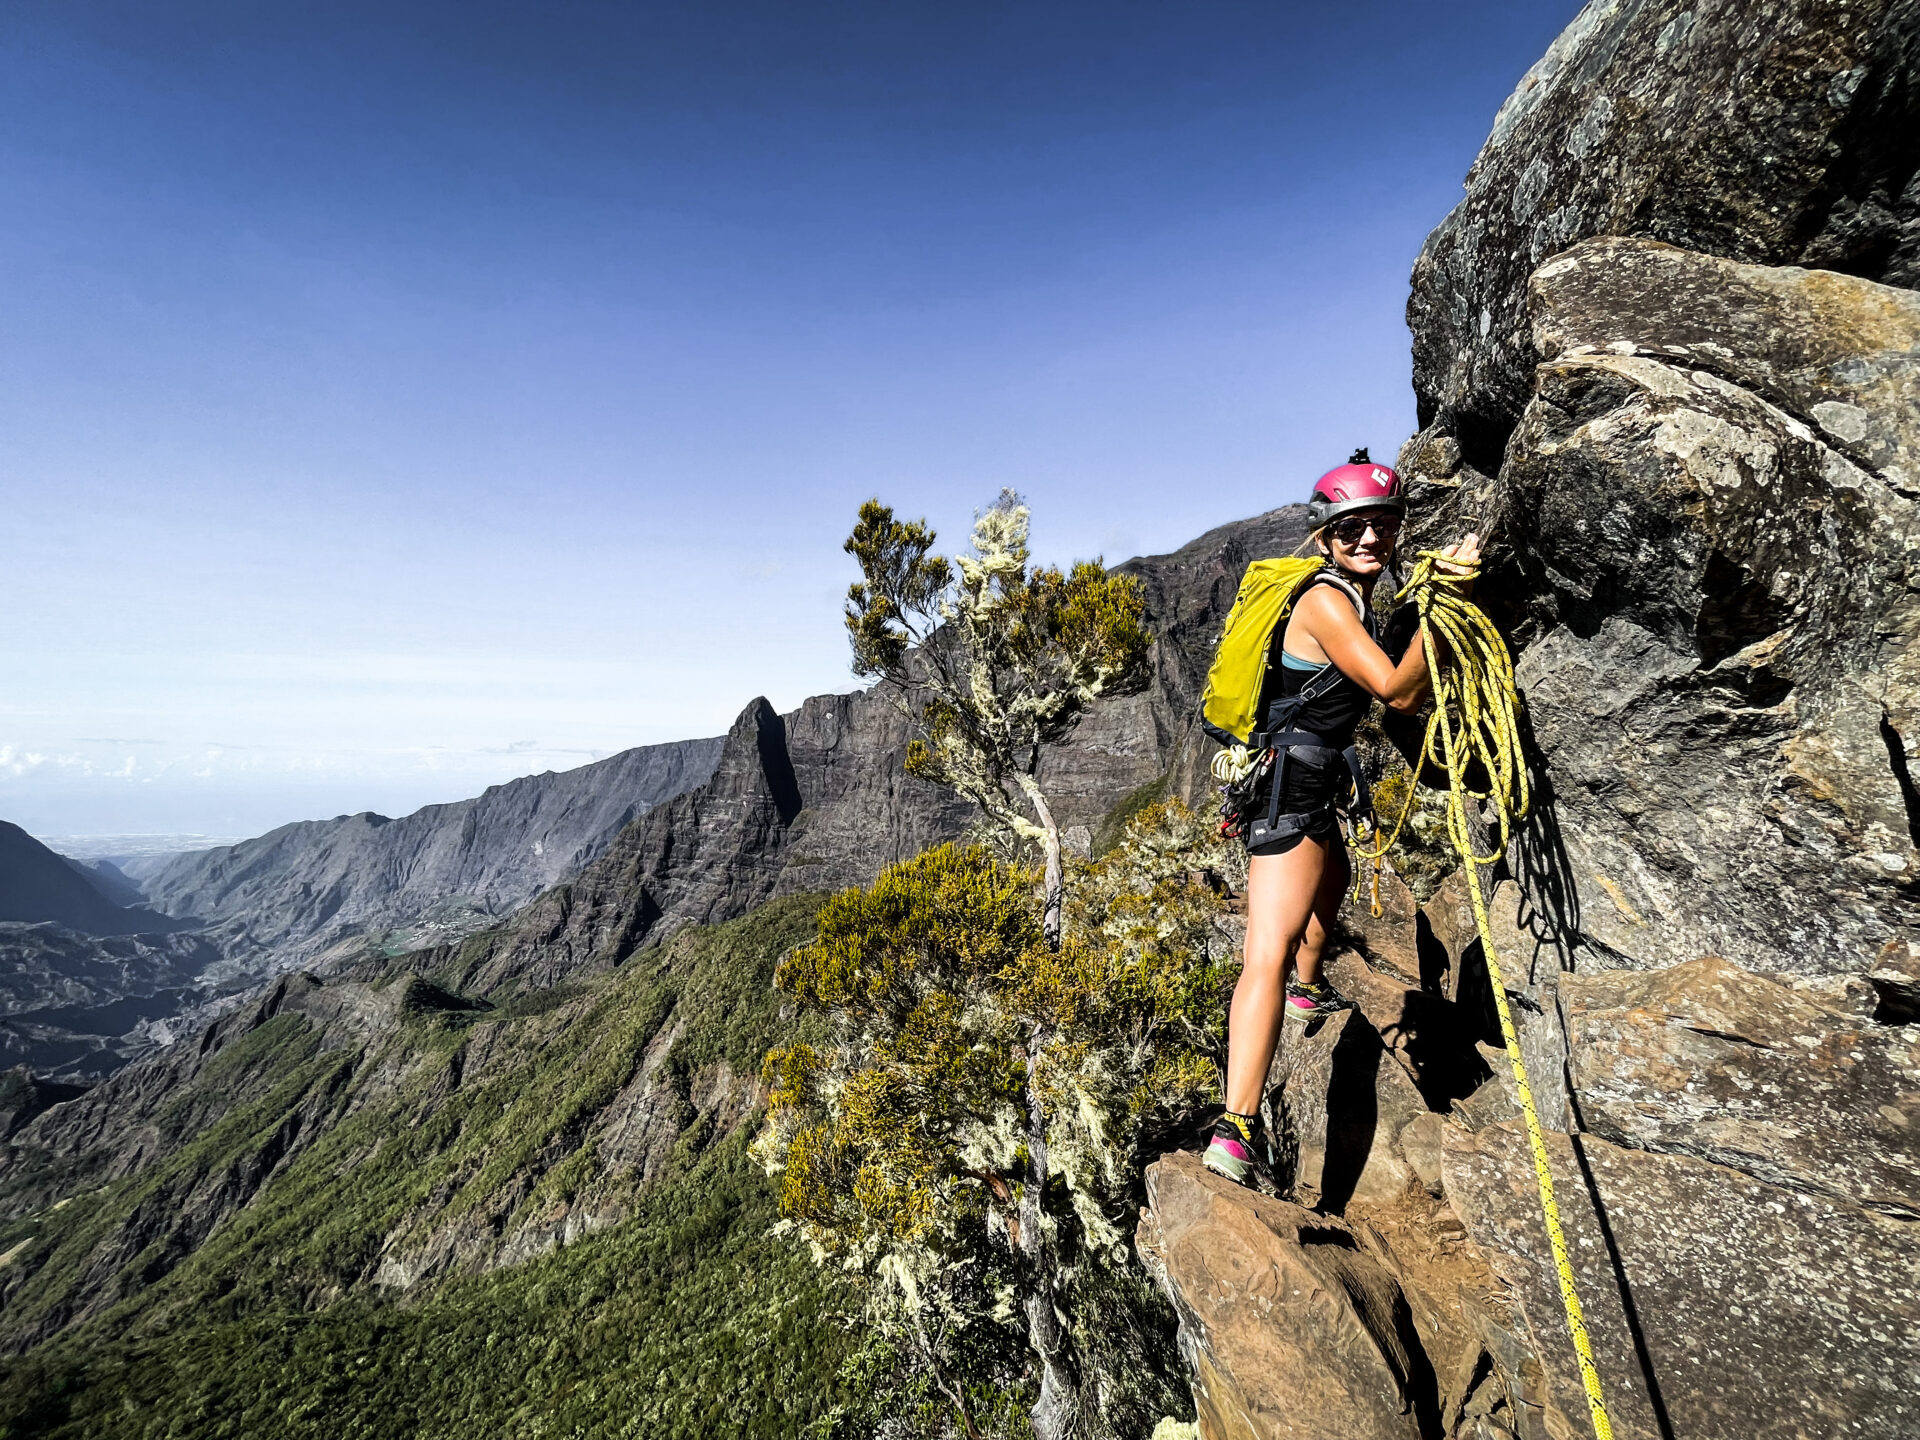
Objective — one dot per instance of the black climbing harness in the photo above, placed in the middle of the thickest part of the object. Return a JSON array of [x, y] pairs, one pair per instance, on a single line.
[[1282, 745]]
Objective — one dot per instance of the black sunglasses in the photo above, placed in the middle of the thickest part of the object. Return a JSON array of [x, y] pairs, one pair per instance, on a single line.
[[1349, 529]]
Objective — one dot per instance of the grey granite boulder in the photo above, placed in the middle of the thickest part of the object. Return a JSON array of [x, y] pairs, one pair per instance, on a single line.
[[1770, 131], [1721, 1307], [1795, 1085], [1714, 596]]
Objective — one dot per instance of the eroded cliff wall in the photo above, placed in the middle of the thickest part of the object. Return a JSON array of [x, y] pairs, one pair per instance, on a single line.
[[283, 898]]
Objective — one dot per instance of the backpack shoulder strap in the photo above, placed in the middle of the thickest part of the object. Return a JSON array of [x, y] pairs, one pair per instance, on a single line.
[[1324, 679], [1329, 674], [1331, 576]]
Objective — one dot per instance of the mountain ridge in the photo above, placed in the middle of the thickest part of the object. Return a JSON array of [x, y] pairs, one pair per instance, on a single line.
[[819, 799], [78, 1000], [284, 898]]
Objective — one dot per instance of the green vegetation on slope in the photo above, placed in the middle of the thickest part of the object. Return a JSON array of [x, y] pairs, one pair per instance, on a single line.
[[686, 1321], [454, 1124], [1113, 825]]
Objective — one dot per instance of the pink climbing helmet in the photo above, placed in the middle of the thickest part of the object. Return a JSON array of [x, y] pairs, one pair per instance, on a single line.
[[1357, 485]]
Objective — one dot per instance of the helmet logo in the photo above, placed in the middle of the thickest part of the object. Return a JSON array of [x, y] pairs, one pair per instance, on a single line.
[[1383, 477]]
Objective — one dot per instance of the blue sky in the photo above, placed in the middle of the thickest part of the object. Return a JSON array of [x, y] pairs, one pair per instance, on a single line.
[[398, 398]]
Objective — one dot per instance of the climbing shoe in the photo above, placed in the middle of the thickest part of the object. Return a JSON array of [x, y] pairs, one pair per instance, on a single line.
[[1309, 999], [1233, 1147]]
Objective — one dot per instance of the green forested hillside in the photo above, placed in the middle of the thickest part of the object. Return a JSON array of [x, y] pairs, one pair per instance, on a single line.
[[689, 1320], [449, 1125]]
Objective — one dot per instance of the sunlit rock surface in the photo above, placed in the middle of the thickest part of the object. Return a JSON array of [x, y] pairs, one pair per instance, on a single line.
[[1775, 132]]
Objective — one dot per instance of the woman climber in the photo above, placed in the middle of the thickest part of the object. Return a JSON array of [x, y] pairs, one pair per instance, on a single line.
[[1324, 668]]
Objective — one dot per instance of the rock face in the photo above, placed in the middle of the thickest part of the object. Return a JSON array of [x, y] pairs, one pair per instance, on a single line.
[[282, 899], [1774, 131], [1738, 1200], [1759, 1311], [1718, 591], [1738, 1232], [1797, 1086], [728, 845], [23, 1096], [1697, 466]]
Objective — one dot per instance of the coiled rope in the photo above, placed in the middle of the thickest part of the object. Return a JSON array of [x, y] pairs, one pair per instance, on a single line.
[[1234, 763], [1475, 721]]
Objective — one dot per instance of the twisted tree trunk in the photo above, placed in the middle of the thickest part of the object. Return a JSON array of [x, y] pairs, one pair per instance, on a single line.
[[1058, 1406], [1055, 881]]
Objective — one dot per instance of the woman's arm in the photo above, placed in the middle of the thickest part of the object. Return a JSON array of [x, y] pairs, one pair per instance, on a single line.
[[1324, 621]]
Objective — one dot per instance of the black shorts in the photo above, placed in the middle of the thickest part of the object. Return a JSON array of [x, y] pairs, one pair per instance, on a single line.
[[1306, 806], [1323, 825]]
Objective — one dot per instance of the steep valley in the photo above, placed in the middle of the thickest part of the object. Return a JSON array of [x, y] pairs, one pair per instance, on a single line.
[[89, 975], [87, 983], [239, 1216]]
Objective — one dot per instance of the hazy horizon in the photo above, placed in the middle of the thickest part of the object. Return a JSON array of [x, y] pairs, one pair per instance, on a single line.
[[402, 399]]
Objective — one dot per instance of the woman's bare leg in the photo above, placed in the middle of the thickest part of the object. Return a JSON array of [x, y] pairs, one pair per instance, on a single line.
[[1283, 894], [1326, 905]]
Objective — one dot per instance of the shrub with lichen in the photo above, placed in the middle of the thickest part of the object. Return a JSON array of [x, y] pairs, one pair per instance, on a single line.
[[971, 1135], [990, 658]]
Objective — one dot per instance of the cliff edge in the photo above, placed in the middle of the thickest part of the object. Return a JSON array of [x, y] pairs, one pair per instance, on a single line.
[[1667, 353]]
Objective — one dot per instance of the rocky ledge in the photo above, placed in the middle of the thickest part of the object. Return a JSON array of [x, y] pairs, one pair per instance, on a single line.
[[1734, 1156]]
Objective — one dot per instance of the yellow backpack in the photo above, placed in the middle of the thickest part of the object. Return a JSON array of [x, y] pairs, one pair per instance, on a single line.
[[1230, 705]]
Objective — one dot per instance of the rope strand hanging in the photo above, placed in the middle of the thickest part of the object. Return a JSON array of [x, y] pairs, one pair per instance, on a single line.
[[1475, 723]]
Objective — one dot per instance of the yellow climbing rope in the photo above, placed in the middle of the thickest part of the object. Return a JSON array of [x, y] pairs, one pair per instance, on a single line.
[[1474, 721]]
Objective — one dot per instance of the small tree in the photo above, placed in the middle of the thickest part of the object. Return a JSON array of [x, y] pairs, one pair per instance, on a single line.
[[1008, 658], [973, 1135]]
